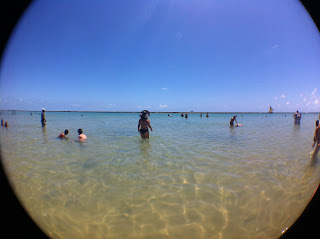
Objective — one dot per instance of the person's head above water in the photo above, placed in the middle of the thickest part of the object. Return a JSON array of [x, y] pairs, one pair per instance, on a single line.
[[80, 131], [144, 114], [66, 132]]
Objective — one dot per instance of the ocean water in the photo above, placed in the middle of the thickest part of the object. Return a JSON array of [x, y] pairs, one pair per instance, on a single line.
[[194, 178]]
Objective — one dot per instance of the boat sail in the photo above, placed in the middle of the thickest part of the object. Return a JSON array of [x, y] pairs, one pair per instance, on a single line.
[[270, 109]]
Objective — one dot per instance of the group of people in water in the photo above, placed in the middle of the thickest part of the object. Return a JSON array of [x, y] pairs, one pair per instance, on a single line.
[[144, 125], [4, 123], [81, 136], [297, 117]]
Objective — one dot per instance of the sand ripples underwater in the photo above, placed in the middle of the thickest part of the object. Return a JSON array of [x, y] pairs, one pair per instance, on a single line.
[[194, 178]]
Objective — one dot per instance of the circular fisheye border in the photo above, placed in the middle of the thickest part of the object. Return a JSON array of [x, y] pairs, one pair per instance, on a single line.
[[16, 223]]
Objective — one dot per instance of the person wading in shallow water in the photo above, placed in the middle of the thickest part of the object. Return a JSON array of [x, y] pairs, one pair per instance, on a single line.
[[43, 118], [316, 139], [144, 124]]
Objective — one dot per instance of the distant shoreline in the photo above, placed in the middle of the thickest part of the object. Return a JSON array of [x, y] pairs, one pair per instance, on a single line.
[[159, 112]]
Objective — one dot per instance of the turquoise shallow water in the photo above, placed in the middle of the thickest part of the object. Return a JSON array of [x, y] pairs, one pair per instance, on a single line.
[[194, 178]]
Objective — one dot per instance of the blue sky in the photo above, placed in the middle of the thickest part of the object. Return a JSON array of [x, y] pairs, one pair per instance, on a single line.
[[183, 55]]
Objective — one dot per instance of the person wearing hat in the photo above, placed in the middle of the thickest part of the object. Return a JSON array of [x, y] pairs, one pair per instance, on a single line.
[[43, 118], [144, 124]]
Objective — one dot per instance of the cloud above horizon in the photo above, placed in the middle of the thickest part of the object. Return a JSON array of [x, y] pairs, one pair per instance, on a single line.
[[163, 106]]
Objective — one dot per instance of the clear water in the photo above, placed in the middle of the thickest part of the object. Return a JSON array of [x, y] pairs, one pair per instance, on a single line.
[[194, 178]]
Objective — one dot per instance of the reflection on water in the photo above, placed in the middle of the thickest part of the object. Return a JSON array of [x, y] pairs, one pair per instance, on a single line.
[[44, 132], [145, 147], [193, 178]]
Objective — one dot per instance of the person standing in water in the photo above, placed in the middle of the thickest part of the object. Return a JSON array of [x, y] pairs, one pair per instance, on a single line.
[[297, 117], [207, 115], [316, 139], [43, 118], [233, 119], [144, 124]]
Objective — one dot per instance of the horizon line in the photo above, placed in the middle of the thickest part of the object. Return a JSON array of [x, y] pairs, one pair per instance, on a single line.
[[173, 112]]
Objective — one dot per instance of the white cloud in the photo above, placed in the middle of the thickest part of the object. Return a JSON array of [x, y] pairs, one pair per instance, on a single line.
[[304, 99], [275, 46], [314, 91], [164, 88], [110, 106], [316, 101], [163, 106], [276, 98], [143, 107], [282, 96], [287, 103]]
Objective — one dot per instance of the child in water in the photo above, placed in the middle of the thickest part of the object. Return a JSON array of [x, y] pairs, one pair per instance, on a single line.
[[63, 135]]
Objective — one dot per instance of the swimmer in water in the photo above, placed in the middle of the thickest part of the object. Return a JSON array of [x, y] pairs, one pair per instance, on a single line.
[[82, 137], [144, 124], [63, 135]]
